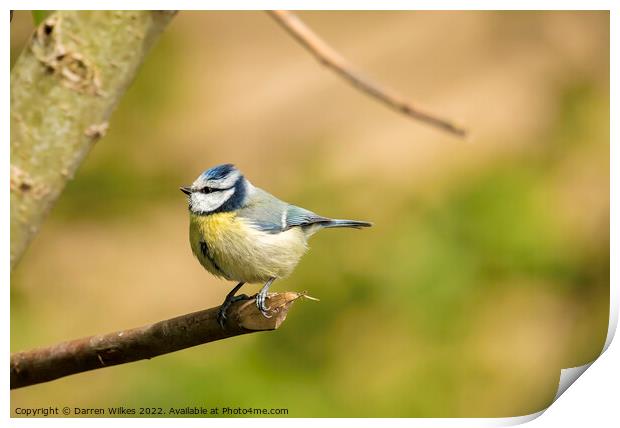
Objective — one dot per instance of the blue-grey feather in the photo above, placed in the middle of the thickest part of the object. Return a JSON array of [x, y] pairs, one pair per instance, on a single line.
[[266, 226], [263, 211], [269, 214], [218, 172], [297, 216], [236, 200], [347, 223]]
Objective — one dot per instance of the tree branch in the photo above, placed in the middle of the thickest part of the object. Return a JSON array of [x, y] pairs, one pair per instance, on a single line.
[[95, 352], [64, 86], [329, 57]]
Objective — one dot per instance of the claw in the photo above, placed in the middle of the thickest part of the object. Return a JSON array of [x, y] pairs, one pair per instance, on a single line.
[[260, 299], [221, 316], [230, 299], [260, 304]]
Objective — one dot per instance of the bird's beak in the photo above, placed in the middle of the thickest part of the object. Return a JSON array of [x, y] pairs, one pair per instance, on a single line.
[[186, 190]]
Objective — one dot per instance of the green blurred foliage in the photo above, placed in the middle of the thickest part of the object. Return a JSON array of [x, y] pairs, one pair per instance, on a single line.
[[39, 15]]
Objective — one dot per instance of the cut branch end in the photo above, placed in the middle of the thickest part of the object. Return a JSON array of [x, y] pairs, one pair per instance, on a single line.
[[95, 352]]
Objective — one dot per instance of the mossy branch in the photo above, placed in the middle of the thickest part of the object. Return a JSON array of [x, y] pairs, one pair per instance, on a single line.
[[96, 352], [64, 86]]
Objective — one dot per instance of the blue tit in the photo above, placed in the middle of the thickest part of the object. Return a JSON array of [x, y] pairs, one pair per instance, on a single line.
[[242, 233]]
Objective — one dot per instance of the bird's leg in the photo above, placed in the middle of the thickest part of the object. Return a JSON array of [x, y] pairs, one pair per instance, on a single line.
[[260, 298], [230, 299]]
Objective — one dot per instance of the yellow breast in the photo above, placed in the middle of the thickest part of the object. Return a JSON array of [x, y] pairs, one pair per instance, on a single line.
[[229, 247], [208, 234]]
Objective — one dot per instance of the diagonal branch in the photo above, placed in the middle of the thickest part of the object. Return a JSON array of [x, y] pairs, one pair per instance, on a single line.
[[95, 352], [329, 57]]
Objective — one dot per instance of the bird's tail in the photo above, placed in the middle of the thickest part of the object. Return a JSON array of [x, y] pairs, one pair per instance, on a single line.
[[347, 223]]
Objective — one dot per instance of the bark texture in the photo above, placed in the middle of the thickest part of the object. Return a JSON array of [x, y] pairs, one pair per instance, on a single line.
[[95, 352], [64, 87]]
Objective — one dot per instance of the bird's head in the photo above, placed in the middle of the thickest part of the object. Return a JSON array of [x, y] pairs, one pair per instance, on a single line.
[[219, 189]]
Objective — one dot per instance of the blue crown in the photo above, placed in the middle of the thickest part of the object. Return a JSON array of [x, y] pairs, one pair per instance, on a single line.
[[218, 172]]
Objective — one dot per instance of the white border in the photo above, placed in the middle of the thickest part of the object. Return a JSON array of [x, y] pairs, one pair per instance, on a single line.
[[592, 400]]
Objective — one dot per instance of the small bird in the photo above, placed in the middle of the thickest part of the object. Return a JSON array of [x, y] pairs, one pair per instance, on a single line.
[[242, 233]]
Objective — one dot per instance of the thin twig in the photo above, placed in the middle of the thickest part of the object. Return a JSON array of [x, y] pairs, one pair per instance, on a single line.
[[329, 57], [95, 352]]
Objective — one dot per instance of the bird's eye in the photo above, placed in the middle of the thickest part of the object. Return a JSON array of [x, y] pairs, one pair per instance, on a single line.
[[206, 190]]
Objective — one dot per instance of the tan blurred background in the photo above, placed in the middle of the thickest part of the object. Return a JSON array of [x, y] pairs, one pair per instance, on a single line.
[[487, 269]]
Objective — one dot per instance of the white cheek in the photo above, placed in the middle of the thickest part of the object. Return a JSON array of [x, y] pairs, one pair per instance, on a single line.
[[202, 202], [229, 181]]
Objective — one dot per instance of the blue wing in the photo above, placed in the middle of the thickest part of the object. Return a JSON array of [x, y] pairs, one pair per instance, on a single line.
[[296, 216], [269, 214]]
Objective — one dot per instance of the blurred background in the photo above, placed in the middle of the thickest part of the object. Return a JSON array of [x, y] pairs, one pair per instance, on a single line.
[[487, 270]]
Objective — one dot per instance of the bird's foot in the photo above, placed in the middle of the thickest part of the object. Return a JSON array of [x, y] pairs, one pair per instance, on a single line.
[[260, 304], [221, 313]]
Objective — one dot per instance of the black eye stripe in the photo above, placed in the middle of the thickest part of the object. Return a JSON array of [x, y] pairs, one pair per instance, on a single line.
[[208, 189]]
